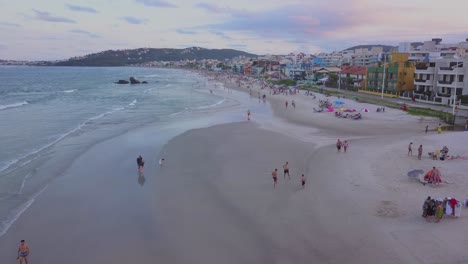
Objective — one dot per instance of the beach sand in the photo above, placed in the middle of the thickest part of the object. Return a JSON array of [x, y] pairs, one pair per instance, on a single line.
[[213, 200]]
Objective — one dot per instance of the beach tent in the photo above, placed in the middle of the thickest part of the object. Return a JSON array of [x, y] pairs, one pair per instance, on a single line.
[[339, 102]]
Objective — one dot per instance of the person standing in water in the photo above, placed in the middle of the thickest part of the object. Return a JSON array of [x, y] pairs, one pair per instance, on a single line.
[[140, 163], [286, 170], [23, 252], [274, 174], [303, 181]]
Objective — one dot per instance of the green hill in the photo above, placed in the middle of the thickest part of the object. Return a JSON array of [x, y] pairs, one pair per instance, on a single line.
[[142, 55]]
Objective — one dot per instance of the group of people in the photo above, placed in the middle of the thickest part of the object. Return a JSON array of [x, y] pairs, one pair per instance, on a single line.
[[441, 154], [274, 174], [433, 176], [410, 150], [437, 208], [340, 145], [286, 103]]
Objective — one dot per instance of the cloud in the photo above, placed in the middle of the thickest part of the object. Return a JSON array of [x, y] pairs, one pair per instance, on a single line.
[[46, 16], [221, 34], [84, 32], [212, 8], [81, 8], [134, 20], [156, 3], [186, 32], [8, 24]]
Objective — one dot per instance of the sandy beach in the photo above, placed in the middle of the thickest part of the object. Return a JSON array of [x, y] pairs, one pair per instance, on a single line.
[[213, 200]]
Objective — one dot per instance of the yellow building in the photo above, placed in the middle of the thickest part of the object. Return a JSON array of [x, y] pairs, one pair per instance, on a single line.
[[399, 75]]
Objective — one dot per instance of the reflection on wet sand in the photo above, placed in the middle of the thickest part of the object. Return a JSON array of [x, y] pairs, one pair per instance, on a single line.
[[141, 178]]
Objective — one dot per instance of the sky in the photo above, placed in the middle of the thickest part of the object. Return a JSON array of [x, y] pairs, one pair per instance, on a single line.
[[56, 29]]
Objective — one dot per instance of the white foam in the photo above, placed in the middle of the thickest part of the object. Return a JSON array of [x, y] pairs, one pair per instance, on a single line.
[[133, 103], [212, 105], [69, 91], [16, 213], [3, 107]]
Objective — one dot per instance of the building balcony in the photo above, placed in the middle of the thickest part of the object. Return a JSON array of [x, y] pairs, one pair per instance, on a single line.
[[425, 70], [422, 82], [450, 84], [450, 71]]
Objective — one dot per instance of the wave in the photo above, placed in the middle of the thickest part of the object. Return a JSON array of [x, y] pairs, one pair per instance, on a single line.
[[133, 103], [69, 91], [15, 215], [212, 105], [3, 107], [10, 163]]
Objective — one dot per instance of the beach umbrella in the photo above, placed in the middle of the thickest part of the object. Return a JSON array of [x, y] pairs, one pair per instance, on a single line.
[[415, 173], [339, 102]]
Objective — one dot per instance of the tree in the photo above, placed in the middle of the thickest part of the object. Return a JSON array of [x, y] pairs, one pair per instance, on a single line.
[[333, 78]]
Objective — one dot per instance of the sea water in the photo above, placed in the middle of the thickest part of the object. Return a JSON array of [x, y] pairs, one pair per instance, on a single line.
[[51, 115]]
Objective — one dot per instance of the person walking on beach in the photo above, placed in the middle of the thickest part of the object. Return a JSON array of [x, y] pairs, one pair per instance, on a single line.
[[140, 163], [23, 252], [303, 181], [439, 129], [338, 145], [410, 149], [248, 115], [274, 174], [286, 104], [293, 104], [427, 128], [345, 146], [420, 150], [286, 170]]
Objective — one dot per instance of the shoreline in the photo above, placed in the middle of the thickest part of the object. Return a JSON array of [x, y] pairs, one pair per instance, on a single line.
[[215, 192]]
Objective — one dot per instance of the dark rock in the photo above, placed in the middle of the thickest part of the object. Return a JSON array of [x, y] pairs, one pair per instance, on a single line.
[[134, 81], [144, 82], [122, 82]]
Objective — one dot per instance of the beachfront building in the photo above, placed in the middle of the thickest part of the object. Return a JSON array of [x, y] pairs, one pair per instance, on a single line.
[[438, 79], [398, 79], [354, 75], [328, 59]]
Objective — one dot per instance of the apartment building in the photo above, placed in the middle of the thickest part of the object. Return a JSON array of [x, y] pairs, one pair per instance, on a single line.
[[398, 78], [438, 79]]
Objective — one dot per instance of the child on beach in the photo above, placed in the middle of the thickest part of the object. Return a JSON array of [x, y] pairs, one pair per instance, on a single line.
[[345, 146], [303, 181], [274, 174], [23, 252]]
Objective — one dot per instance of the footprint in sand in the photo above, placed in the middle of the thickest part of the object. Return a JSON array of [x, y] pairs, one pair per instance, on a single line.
[[387, 209]]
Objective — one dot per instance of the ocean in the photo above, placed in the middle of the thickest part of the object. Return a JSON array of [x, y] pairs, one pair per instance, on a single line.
[[51, 115]]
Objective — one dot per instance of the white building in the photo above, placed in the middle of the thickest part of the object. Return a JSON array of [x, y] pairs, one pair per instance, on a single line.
[[437, 79]]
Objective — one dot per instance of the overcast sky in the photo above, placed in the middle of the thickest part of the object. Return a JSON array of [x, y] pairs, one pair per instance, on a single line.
[[56, 29]]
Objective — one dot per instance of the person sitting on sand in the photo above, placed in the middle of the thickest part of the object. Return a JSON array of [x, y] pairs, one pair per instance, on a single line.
[[23, 252], [286, 170], [426, 206]]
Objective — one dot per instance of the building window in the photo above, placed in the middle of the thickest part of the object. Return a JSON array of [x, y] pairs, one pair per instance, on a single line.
[[460, 78]]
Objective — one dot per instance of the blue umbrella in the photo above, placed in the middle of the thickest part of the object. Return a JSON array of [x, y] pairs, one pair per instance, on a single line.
[[339, 102]]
